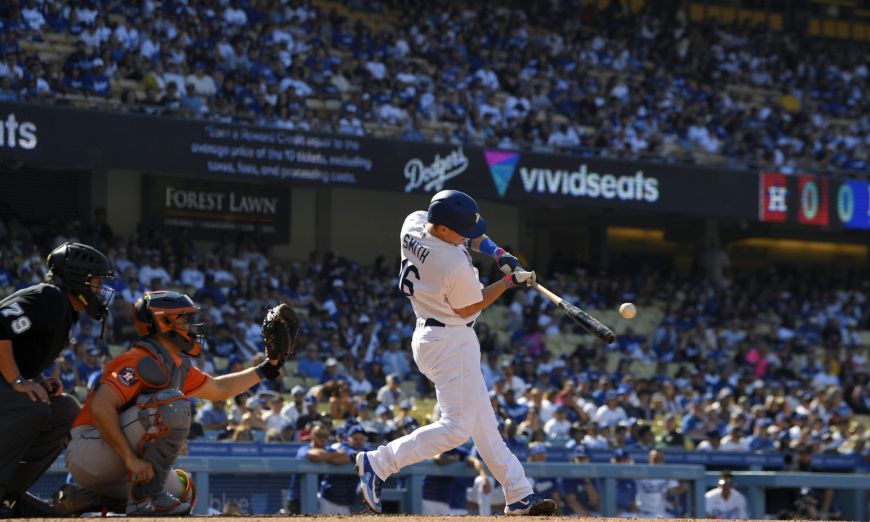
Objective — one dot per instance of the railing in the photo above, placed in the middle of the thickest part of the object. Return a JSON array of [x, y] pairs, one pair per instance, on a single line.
[[851, 487], [411, 498]]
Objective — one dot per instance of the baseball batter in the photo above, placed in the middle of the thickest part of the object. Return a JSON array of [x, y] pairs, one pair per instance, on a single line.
[[136, 421], [444, 289]]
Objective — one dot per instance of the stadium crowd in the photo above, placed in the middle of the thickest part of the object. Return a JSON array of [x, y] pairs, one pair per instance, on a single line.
[[761, 362], [547, 76]]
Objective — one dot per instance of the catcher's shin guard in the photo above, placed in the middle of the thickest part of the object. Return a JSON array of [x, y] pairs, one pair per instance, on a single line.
[[189, 494], [160, 447]]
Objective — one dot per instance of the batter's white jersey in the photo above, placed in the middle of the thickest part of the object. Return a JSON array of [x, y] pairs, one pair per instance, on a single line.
[[735, 508], [652, 494], [436, 276]]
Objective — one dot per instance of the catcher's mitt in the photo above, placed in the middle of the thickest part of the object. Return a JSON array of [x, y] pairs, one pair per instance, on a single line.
[[280, 332]]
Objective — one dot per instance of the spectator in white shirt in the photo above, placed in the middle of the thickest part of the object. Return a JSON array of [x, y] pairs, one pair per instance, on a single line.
[[611, 413], [713, 442], [349, 123], [487, 76], [558, 426], [151, 46], [826, 377], [103, 32], [734, 441], [489, 107], [235, 15], [33, 17], [128, 35], [302, 89], [391, 113], [203, 84], [192, 275], [406, 81], [253, 331], [565, 137], [154, 271], [90, 37], [376, 67], [295, 408]]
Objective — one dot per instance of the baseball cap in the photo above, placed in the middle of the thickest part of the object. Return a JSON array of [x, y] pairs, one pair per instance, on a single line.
[[714, 434], [611, 394], [253, 402], [396, 378], [411, 423], [99, 62], [580, 451], [380, 410], [393, 338], [559, 363], [538, 448], [363, 404], [94, 351], [297, 389], [331, 362], [376, 359], [310, 400], [621, 454], [405, 405], [355, 429], [69, 356], [623, 388]]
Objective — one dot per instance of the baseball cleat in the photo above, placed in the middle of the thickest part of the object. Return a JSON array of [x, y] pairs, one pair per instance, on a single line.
[[161, 504], [370, 484], [533, 506], [29, 506]]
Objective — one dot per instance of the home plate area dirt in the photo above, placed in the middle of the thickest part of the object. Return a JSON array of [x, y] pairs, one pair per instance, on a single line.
[[351, 518]]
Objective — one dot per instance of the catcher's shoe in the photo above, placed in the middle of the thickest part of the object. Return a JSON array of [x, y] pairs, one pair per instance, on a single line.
[[533, 506], [29, 506], [72, 499], [162, 504], [371, 484]]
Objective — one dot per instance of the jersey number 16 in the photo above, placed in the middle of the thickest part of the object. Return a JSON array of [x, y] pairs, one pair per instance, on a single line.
[[405, 284]]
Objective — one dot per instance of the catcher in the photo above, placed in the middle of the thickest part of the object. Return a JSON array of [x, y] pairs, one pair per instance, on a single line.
[[135, 422]]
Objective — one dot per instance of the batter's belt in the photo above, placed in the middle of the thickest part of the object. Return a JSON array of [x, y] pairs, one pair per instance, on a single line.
[[436, 323]]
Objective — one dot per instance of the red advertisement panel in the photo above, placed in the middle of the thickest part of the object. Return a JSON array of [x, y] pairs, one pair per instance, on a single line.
[[773, 197]]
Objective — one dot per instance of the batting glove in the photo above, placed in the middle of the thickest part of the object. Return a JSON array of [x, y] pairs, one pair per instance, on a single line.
[[506, 262], [519, 278]]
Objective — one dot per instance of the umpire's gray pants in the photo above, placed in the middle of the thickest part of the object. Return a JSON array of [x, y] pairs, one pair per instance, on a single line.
[[31, 436]]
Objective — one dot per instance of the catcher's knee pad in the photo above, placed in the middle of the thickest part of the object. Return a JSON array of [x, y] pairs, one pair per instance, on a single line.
[[164, 439], [188, 496]]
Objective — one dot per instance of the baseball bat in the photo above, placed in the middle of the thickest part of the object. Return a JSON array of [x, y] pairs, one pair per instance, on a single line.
[[589, 323]]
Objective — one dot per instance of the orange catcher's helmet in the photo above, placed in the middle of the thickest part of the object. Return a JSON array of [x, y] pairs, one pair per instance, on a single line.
[[170, 315]]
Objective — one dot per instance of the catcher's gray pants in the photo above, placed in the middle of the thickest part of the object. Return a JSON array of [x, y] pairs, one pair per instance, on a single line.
[[96, 467], [31, 437]]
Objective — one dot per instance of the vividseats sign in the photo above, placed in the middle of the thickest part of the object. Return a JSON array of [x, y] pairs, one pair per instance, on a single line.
[[198, 148]]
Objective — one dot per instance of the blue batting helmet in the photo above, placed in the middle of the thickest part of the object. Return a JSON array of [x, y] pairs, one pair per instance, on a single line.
[[458, 212]]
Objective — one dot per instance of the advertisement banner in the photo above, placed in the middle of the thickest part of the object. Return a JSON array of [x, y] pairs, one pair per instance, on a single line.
[[210, 208], [56, 136]]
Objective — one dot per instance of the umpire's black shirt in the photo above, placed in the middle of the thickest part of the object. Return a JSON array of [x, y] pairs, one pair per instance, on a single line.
[[37, 320]]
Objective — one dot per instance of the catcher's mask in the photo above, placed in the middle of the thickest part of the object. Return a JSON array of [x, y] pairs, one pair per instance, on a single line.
[[170, 315]]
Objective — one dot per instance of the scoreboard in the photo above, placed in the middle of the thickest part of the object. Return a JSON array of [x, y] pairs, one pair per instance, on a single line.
[[814, 201]]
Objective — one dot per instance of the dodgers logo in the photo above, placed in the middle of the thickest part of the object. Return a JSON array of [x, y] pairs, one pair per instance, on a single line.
[[127, 376]]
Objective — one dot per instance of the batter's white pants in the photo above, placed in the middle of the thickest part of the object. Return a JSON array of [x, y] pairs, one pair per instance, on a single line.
[[327, 507], [485, 501], [450, 358], [431, 507]]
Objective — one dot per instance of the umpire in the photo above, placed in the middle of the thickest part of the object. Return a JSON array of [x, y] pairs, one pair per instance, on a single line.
[[34, 327]]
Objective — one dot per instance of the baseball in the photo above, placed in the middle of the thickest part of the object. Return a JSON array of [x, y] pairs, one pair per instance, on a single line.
[[627, 310]]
